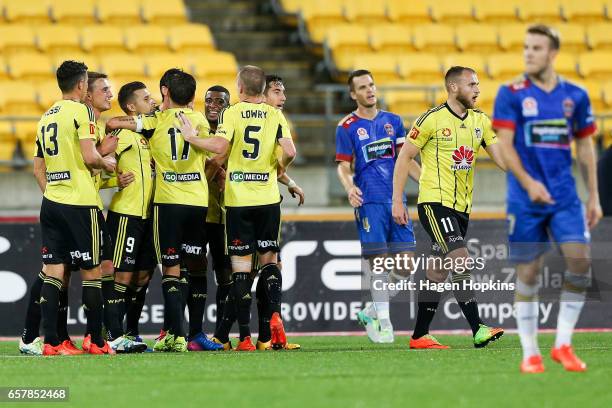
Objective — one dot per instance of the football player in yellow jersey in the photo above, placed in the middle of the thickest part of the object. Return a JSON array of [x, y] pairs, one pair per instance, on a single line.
[[129, 220], [181, 192], [252, 198], [448, 138], [69, 221]]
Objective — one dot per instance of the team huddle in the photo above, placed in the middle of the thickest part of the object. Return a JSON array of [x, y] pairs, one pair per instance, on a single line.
[[536, 118], [185, 180]]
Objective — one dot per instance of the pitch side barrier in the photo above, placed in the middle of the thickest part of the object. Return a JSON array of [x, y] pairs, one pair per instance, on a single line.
[[324, 284]]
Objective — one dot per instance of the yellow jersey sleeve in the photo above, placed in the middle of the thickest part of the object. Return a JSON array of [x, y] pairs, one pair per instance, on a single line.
[[226, 126], [149, 123], [489, 137], [421, 132], [85, 122], [285, 130]]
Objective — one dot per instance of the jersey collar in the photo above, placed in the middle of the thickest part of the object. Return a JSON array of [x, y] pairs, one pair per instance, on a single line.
[[467, 112]]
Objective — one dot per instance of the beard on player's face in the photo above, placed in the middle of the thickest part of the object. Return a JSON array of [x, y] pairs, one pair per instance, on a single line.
[[467, 99]]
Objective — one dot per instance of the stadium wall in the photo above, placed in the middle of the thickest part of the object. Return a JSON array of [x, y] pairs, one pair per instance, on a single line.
[[322, 281]]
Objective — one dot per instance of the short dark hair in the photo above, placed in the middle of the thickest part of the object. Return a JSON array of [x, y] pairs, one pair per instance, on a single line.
[[163, 81], [270, 79], [551, 33], [218, 88], [92, 77], [126, 94], [181, 88], [454, 72], [357, 73], [253, 78], [69, 74]]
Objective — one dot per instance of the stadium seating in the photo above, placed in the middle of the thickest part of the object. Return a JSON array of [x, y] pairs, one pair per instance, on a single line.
[[607, 96], [58, 39], [18, 98], [366, 12], [167, 12], [7, 140], [541, 11], [412, 12], [79, 13], [488, 92], [16, 38], [191, 38], [502, 67], [347, 41], [595, 65], [472, 60], [573, 38], [120, 12], [146, 39], [413, 102], [578, 11], [452, 11], [34, 67], [599, 36], [122, 68], [47, 93], [495, 11], [27, 11], [482, 38], [391, 38], [434, 38], [318, 15], [594, 89], [420, 68], [217, 67], [565, 64], [512, 37], [383, 66], [102, 39]]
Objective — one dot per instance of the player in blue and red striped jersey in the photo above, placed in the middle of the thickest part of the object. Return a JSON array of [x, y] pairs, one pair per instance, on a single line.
[[370, 139], [537, 118]]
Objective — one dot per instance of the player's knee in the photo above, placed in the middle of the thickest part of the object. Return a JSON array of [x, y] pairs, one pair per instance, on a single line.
[[577, 282], [526, 291], [240, 264], [123, 277], [436, 275], [579, 266]]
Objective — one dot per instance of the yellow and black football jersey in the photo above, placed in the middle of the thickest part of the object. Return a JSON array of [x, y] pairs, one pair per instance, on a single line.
[[253, 129], [449, 147]]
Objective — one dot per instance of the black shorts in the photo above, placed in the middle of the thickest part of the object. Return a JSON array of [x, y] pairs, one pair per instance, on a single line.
[[106, 239], [179, 231], [446, 227], [133, 242], [250, 229], [215, 236], [70, 234]]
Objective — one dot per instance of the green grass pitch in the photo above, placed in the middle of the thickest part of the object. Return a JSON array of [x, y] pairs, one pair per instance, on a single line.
[[327, 372]]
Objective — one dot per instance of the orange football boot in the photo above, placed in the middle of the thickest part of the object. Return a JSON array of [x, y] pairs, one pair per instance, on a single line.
[[279, 339], [70, 348], [95, 349], [565, 355], [245, 345], [533, 365], [426, 342]]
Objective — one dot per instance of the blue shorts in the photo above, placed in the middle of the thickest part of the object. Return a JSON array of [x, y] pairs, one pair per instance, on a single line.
[[379, 234], [532, 227]]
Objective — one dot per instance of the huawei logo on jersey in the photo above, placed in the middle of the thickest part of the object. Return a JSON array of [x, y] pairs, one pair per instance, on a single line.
[[463, 158]]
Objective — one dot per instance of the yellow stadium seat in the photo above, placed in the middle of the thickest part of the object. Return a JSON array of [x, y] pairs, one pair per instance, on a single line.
[[599, 36], [471, 60], [318, 15], [102, 39], [35, 67], [573, 38], [389, 38], [47, 93], [15, 39], [406, 102], [58, 39], [542, 11], [495, 11], [594, 89], [366, 11], [409, 12], [512, 36], [122, 68], [191, 38], [452, 11], [481, 38], [147, 39], [7, 140], [216, 66], [382, 66], [596, 65], [434, 38], [346, 42], [565, 64], [27, 11], [80, 12], [120, 12], [579, 11], [607, 95], [4, 74], [486, 98], [19, 98], [25, 132], [153, 87], [420, 68], [165, 12], [157, 64], [507, 66], [92, 61], [291, 6]]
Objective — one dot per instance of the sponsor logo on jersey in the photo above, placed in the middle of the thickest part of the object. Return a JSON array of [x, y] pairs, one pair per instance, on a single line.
[[389, 129], [238, 245], [266, 243], [380, 149], [463, 158], [568, 107], [240, 176], [58, 176], [446, 132], [129, 261], [172, 177], [366, 224], [191, 249], [414, 133], [530, 106], [171, 254], [551, 133], [85, 256], [363, 134]]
